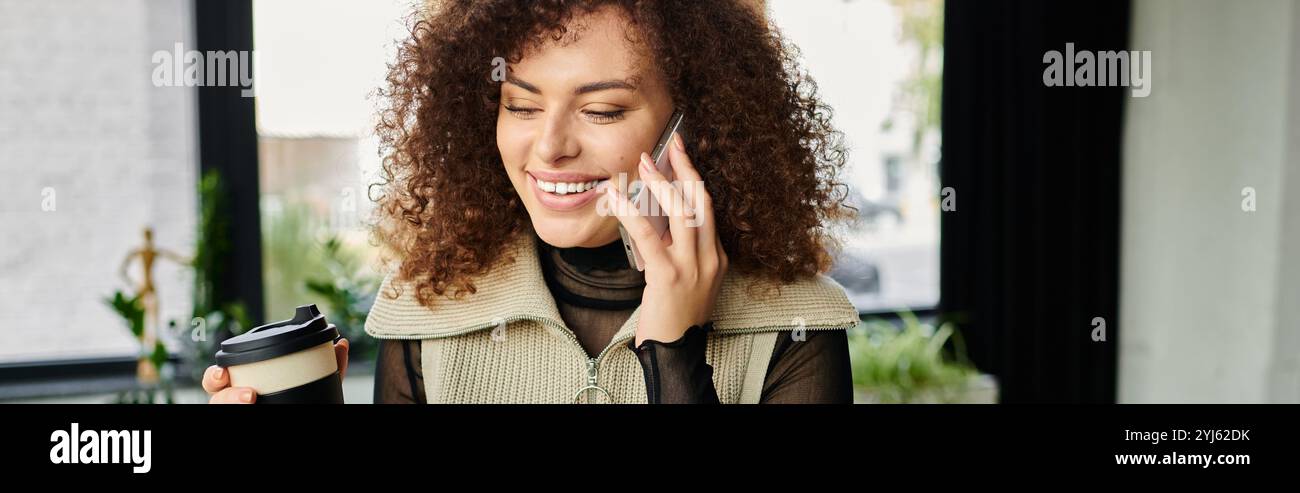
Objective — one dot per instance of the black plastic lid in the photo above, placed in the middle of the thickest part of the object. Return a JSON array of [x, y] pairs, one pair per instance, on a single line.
[[308, 328]]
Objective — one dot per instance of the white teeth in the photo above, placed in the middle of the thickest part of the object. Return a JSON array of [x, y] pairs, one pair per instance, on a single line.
[[562, 188]]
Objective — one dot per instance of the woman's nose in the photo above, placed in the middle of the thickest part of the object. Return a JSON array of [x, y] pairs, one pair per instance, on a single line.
[[556, 141]]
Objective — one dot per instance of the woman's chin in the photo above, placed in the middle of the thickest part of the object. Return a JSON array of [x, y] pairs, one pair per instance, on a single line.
[[561, 234]]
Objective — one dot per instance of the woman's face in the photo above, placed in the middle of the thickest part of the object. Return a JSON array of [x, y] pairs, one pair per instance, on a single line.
[[573, 115]]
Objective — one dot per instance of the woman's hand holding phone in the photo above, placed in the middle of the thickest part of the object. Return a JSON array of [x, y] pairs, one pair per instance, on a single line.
[[684, 273]]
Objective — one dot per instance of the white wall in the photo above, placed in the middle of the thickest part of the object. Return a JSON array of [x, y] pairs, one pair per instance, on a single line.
[[1285, 377], [79, 114], [1210, 300]]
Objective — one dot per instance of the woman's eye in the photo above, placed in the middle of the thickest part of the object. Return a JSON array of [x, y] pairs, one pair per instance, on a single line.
[[521, 112], [605, 116]]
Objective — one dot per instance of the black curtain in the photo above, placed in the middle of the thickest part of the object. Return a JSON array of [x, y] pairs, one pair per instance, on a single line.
[[1030, 256], [228, 144]]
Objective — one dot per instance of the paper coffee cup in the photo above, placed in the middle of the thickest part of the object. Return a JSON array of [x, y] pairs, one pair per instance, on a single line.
[[288, 362]]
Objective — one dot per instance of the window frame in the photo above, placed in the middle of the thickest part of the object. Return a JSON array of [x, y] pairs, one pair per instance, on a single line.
[[226, 131]]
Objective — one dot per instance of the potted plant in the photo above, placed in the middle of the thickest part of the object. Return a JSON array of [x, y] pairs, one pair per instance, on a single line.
[[908, 364]]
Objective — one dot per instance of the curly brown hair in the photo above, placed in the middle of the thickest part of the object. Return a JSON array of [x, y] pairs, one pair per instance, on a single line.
[[759, 136]]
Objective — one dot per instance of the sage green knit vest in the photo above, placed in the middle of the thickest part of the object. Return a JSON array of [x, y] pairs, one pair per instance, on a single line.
[[506, 343]]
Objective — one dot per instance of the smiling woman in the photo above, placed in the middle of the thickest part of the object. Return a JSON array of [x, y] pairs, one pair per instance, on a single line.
[[509, 285], [754, 119]]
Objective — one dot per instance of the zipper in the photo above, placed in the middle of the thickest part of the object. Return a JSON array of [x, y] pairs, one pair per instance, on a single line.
[[593, 364], [592, 373]]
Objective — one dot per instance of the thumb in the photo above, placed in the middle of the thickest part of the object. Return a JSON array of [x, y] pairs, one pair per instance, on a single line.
[[341, 352]]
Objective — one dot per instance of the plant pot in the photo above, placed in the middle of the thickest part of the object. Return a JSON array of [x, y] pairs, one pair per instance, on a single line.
[[981, 389]]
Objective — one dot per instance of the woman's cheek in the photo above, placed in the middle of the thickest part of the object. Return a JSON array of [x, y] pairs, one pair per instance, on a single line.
[[513, 148], [621, 154]]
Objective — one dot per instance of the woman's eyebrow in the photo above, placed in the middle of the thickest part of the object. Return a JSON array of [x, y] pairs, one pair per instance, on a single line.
[[524, 85], [603, 85]]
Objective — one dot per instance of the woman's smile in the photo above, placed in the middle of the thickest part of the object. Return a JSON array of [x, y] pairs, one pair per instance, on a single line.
[[564, 191]]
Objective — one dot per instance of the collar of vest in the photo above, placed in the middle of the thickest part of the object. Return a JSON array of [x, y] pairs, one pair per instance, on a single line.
[[516, 290]]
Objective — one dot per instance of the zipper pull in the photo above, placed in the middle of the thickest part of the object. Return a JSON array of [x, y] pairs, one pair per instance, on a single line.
[[591, 383]]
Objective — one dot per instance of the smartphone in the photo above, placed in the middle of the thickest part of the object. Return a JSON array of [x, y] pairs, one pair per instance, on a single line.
[[657, 217]]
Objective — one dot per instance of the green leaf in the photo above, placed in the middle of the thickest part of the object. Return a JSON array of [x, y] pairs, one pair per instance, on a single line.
[[131, 311], [159, 356]]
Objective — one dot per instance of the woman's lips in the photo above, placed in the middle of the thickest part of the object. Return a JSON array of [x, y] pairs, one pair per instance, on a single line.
[[567, 201]]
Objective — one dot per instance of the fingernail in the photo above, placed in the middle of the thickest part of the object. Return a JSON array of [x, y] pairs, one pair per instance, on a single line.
[[246, 396], [645, 162], [217, 374], [677, 141]]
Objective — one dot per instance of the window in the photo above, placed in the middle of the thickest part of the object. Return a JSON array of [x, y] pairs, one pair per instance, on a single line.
[[108, 159], [91, 153], [878, 65], [319, 64]]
